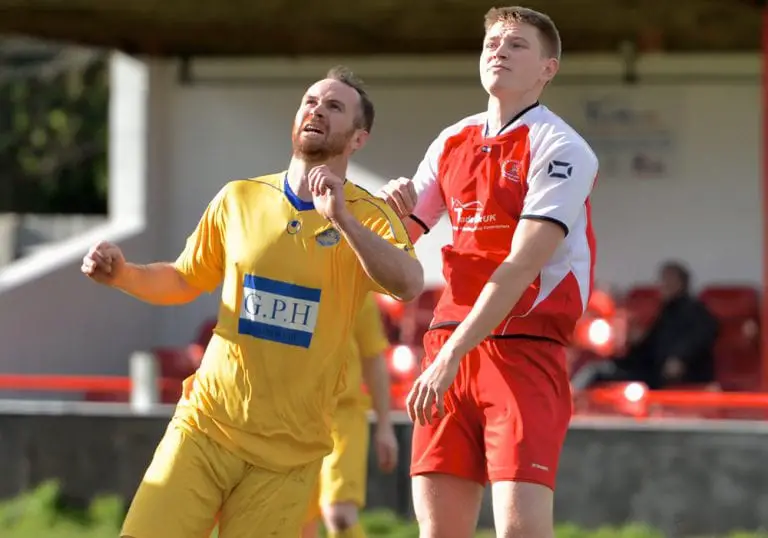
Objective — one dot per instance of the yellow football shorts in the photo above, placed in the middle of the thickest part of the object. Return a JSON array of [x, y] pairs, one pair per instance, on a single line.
[[345, 470], [192, 482]]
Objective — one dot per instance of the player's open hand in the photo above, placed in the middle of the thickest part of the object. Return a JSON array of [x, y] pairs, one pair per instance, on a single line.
[[385, 445], [400, 195], [327, 192], [103, 263], [428, 392]]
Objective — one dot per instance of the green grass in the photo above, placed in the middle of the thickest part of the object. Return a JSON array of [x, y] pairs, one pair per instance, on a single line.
[[41, 514]]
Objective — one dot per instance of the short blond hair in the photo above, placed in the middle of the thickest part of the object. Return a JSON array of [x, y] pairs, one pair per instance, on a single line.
[[550, 37]]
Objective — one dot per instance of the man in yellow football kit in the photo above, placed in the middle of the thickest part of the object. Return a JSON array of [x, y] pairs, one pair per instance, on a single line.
[[340, 493], [295, 254]]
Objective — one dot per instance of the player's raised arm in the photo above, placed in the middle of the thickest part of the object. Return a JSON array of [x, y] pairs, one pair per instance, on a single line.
[[199, 268], [385, 252], [390, 265]]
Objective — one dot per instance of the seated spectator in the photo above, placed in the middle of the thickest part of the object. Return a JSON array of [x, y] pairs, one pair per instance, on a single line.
[[676, 349]]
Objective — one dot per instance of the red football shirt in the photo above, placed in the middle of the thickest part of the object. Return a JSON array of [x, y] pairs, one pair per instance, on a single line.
[[537, 167]]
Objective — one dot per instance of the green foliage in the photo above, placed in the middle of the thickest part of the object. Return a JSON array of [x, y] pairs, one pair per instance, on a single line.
[[42, 513], [53, 137]]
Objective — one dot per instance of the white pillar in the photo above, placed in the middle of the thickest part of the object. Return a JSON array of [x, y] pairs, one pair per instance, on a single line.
[[144, 374]]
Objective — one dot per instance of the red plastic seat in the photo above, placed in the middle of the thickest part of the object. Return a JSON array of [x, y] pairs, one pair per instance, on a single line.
[[643, 304], [729, 302], [418, 316], [737, 356], [176, 363], [403, 363], [205, 332]]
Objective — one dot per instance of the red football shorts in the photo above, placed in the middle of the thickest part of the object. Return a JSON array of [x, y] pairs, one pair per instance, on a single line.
[[507, 413]]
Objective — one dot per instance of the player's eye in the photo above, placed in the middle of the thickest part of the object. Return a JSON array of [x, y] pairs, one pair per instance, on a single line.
[[336, 106]]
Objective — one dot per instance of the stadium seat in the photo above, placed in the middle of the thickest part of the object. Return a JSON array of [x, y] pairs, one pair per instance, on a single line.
[[731, 302], [642, 304], [205, 332], [403, 363], [418, 316], [737, 356], [392, 312]]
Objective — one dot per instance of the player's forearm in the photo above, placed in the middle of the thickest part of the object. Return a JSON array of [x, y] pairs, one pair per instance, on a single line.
[[534, 243], [393, 269], [414, 229], [156, 283], [500, 294], [376, 379]]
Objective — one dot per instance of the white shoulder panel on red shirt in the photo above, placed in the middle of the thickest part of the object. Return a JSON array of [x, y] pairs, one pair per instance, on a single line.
[[562, 171], [431, 206]]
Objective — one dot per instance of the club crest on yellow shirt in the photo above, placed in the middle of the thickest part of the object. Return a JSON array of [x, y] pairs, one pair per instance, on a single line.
[[328, 238], [293, 227]]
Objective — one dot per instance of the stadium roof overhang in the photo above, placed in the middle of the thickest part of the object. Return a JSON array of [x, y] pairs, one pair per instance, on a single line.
[[343, 27]]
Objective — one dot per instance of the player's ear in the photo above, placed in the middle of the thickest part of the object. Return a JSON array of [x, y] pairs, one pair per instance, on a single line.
[[359, 139], [551, 67]]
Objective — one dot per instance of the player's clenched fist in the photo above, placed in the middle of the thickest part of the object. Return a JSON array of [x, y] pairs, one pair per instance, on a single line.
[[103, 263], [327, 192], [401, 196]]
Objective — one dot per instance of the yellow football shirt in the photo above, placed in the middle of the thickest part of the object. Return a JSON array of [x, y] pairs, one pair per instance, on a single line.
[[368, 341], [291, 291]]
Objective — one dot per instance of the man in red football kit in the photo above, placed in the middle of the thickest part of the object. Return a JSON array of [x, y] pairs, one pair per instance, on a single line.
[[493, 401]]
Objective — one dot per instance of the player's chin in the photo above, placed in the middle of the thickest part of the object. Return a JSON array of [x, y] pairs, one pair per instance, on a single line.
[[497, 83], [312, 147]]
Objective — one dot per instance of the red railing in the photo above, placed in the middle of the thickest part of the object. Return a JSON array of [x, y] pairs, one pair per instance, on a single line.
[[680, 398], [621, 398], [70, 383]]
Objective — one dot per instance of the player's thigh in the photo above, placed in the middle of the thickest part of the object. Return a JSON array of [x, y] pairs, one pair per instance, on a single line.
[[527, 411], [452, 445], [446, 506], [527, 407], [448, 470], [182, 488], [345, 470], [522, 509], [269, 503]]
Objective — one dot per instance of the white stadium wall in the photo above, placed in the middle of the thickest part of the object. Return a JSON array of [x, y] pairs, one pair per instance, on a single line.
[[680, 178]]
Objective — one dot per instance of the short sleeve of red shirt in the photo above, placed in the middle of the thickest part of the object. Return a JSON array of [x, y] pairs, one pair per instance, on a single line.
[[430, 206], [560, 179]]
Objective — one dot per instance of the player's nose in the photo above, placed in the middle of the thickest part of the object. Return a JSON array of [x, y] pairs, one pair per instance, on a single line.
[[501, 54], [318, 112]]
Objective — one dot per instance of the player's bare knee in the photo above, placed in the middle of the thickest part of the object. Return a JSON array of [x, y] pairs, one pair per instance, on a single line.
[[526, 529], [522, 510], [446, 506], [524, 524], [340, 517]]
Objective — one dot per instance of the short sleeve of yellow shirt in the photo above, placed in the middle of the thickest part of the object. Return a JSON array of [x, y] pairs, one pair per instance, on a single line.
[[369, 330], [201, 263]]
